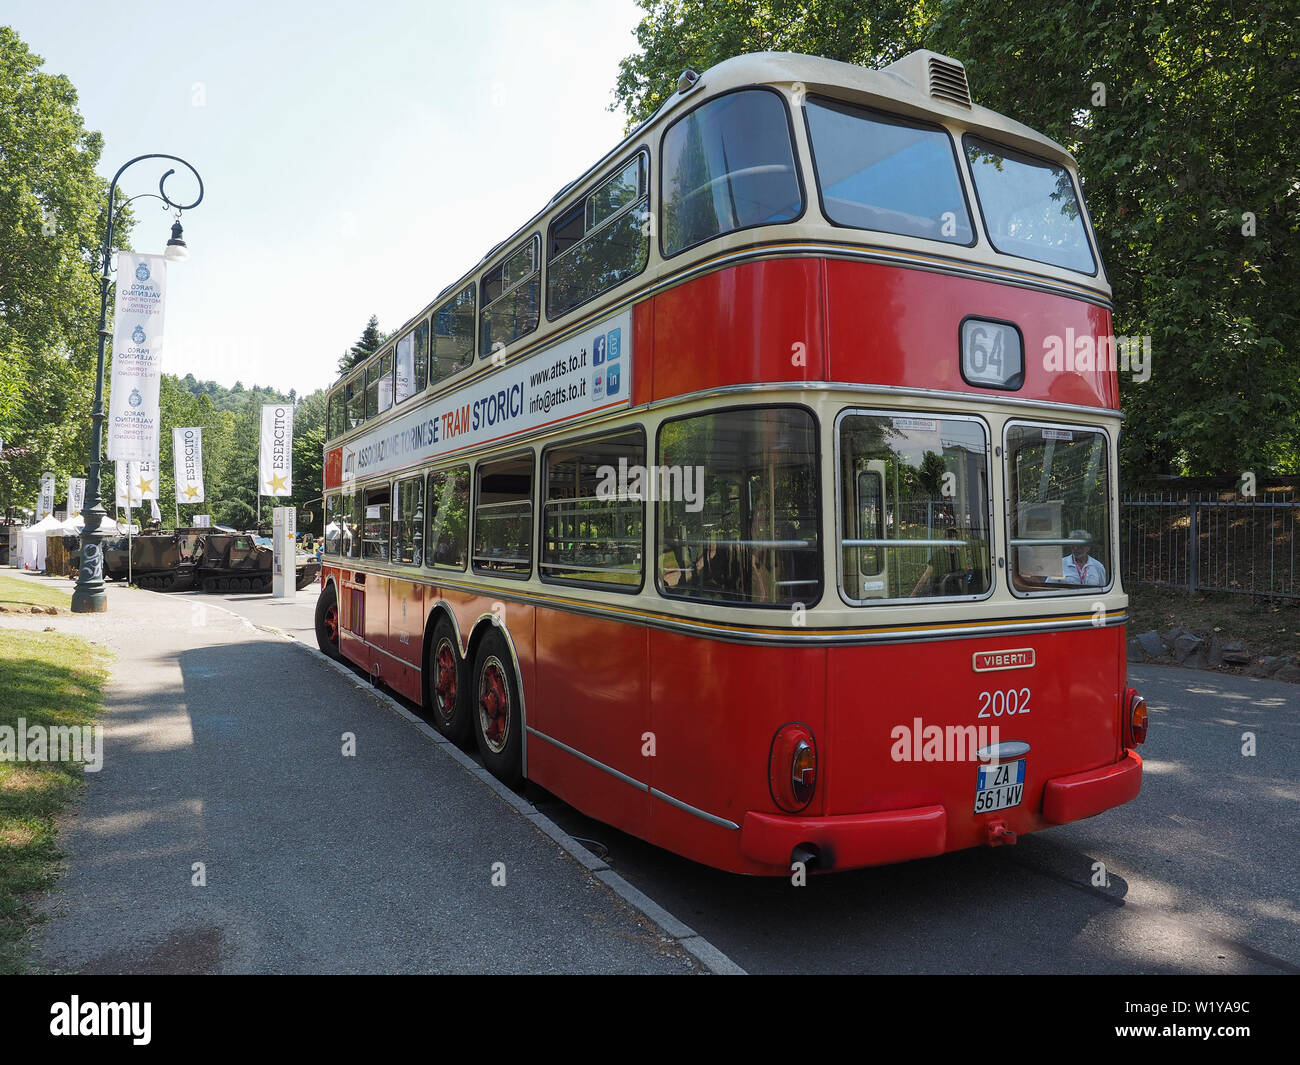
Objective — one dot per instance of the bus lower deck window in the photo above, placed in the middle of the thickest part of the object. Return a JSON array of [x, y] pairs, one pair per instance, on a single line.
[[739, 511]]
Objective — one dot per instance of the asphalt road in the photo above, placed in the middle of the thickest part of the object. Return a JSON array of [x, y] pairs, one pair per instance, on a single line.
[[1201, 871], [259, 812]]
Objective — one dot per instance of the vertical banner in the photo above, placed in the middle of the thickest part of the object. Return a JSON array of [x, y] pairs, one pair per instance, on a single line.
[[127, 482], [45, 503], [275, 460], [147, 478], [76, 496], [137, 351], [187, 458]]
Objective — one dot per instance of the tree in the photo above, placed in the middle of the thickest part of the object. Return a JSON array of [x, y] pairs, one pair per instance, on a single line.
[[370, 342], [51, 222], [1187, 162]]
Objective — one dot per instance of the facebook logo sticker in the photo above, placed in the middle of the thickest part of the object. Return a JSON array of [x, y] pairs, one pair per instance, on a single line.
[[615, 343], [611, 381], [598, 351]]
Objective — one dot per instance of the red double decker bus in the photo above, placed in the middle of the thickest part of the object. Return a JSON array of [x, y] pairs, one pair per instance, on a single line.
[[742, 499]]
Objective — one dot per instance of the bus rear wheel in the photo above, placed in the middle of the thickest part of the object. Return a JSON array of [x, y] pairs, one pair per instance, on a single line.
[[327, 622], [446, 688], [498, 721]]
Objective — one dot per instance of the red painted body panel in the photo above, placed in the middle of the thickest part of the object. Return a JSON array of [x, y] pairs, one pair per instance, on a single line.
[[333, 467], [902, 327], [858, 322]]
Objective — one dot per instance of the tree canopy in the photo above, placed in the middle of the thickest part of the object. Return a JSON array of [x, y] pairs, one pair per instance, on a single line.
[[1184, 118]]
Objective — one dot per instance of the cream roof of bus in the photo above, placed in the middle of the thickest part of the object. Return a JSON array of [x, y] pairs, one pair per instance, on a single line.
[[907, 86]]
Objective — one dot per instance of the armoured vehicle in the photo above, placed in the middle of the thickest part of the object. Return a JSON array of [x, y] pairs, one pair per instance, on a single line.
[[242, 562]]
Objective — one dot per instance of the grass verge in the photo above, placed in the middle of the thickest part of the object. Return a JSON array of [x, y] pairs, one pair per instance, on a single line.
[[47, 679], [21, 595]]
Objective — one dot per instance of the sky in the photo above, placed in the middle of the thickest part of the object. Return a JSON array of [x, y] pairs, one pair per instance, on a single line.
[[356, 157]]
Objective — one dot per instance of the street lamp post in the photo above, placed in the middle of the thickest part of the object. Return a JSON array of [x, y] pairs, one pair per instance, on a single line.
[[88, 597]]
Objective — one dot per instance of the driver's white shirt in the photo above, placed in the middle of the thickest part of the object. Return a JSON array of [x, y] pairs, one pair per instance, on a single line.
[[1092, 573]]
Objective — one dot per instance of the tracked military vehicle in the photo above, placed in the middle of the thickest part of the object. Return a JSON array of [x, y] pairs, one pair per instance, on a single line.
[[167, 562], [241, 562]]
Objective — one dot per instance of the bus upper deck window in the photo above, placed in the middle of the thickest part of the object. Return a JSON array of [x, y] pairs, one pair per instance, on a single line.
[[355, 403], [1030, 208], [1059, 509], [881, 172], [728, 165], [511, 298]]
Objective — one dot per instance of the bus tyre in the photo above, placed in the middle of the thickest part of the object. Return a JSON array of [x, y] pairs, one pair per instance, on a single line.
[[498, 722], [446, 685], [327, 622]]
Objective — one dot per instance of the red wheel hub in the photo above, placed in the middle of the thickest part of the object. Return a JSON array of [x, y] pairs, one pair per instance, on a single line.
[[332, 623], [445, 681], [494, 705]]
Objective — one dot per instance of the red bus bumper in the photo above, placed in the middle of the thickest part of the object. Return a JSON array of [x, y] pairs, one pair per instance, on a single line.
[[851, 841], [847, 841], [1081, 795]]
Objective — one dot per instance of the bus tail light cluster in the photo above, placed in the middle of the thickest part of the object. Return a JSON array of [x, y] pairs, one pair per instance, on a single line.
[[792, 767], [1135, 718]]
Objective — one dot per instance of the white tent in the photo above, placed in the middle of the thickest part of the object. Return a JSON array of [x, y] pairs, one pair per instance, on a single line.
[[74, 525], [34, 542]]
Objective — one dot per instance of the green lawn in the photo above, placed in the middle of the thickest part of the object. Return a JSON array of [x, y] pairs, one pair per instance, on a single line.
[[47, 679], [22, 595]]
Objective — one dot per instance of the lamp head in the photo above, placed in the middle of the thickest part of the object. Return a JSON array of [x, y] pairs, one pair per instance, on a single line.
[[176, 251]]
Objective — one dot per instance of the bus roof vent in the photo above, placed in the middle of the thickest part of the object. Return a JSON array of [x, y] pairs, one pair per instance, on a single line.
[[941, 76]]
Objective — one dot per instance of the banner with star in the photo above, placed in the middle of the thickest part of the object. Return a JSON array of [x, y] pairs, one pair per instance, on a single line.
[[275, 460], [187, 460], [137, 356], [146, 479], [76, 496], [45, 503], [126, 480]]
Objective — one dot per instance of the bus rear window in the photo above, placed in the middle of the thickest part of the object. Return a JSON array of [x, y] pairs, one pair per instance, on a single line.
[[1029, 206], [739, 511], [728, 165], [884, 173], [1059, 510], [914, 512]]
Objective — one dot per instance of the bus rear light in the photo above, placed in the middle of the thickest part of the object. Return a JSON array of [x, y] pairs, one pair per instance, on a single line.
[[1135, 718], [792, 767]]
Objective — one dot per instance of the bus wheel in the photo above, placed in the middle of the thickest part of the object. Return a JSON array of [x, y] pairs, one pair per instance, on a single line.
[[498, 726], [327, 622], [445, 687]]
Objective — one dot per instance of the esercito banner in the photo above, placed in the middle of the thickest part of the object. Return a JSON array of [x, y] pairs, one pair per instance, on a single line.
[[275, 460]]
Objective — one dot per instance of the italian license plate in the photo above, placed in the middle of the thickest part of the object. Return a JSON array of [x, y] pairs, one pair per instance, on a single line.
[[1000, 786]]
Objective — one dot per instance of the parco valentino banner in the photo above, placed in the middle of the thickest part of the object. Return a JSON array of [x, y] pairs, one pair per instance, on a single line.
[[137, 353]]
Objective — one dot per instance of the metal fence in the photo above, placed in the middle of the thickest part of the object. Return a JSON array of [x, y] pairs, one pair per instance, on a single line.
[[1211, 544]]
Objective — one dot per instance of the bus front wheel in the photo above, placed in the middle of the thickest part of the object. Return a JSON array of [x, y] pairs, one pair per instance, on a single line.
[[327, 622], [498, 721], [446, 688]]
